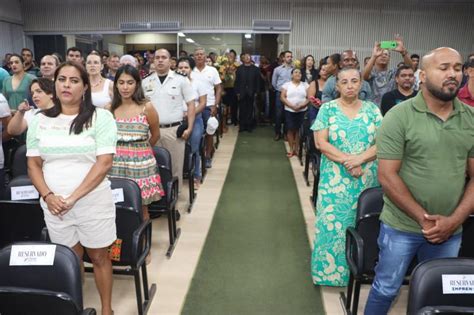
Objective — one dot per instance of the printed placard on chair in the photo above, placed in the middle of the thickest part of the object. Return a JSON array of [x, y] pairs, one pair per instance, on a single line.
[[458, 284], [24, 193], [32, 255]]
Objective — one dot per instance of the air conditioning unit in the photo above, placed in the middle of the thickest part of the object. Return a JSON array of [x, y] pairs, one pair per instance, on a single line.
[[271, 25], [130, 27]]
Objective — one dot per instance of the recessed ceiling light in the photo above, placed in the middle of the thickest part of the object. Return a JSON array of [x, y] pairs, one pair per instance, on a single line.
[[181, 34], [189, 40], [248, 36]]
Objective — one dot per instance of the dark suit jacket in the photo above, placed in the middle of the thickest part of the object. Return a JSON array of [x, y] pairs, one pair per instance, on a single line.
[[247, 80]]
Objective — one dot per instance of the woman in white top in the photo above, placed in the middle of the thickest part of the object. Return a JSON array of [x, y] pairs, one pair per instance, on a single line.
[[70, 149], [42, 94], [102, 89], [186, 65], [294, 96]]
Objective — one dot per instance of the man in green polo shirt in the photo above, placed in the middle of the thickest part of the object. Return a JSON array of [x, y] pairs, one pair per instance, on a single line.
[[424, 146]]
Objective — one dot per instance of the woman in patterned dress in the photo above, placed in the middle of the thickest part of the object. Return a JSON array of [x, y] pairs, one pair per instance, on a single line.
[[345, 134], [138, 130]]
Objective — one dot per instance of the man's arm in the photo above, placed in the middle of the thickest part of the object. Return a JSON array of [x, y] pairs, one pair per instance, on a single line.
[[394, 187], [275, 78], [446, 226], [376, 52]]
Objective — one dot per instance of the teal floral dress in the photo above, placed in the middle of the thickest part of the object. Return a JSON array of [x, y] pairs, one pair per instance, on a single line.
[[338, 191]]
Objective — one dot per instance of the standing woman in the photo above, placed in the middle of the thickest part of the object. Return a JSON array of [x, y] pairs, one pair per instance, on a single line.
[[138, 130], [308, 72], [294, 97], [101, 88], [70, 149], [42, 90], [316, 90], [345, 134], [186, 65], [15, 88]]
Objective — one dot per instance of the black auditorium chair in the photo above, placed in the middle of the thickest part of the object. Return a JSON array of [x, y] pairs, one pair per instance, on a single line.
[[467, 244], [430, 294], [20, 220], [134, 235], [202, 152], [316, 164], [312, 156], [188, 173], [361, 245], [303, 133], [19, 165], [167, 204], [42, 290]]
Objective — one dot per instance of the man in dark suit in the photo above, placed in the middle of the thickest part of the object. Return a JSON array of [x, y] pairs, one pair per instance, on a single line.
[[247, 85]]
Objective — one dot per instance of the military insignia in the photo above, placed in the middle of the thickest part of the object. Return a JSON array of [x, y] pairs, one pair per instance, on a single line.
[[149, 74]]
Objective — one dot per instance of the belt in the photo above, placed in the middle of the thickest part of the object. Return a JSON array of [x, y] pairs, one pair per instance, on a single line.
[[171, 125]]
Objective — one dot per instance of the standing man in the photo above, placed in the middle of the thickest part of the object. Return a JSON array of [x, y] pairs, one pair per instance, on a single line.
[[466, 93], [424, 146], [405, 79], [415, 60], [247, 85], [74, 54], [113, 63], [348, 60], [281, 75], [30, 66], [209, 78], [167, 90], [380, 77], [48, 66]]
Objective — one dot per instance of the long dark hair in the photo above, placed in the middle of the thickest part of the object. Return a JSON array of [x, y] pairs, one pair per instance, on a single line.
[[138, 96], [86, 109]]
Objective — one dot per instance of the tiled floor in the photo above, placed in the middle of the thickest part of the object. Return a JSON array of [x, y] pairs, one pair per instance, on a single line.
[[173, 276]]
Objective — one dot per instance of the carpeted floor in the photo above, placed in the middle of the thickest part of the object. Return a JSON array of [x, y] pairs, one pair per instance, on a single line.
[[256, 259]]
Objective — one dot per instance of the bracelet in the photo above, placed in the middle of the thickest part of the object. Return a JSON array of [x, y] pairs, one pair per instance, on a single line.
[[46, 196]]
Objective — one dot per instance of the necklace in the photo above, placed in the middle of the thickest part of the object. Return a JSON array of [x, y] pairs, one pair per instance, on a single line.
[[94, 85]]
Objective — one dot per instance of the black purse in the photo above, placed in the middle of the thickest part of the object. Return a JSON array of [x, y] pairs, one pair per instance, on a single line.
[[181, 129]]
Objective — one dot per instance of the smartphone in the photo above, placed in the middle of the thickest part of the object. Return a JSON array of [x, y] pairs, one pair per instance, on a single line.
[[388, 44]]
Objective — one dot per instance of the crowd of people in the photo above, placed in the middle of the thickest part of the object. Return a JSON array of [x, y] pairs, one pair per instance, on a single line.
[[408, 128]]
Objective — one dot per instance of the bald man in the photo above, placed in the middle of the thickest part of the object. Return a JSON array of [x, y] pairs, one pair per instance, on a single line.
[[423, 147]]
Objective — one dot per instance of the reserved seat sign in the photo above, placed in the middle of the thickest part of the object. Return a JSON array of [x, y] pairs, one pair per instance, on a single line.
[[32, 255], [458, 284], [24, 193]]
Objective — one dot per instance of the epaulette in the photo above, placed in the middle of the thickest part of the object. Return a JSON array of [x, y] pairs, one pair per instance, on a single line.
[[181, 73], [149, 74]]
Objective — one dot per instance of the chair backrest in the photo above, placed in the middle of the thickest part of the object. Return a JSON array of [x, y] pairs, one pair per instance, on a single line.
[[467, 244], [20, 221], [188, 160], [128, 217], [427, 287], [369, 207], [64, 276], [164, 164], [19, 163], [19, 181], [131, 193]]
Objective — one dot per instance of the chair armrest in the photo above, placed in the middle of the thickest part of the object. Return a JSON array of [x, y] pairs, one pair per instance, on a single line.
[[172, 192], [144, 230], [45, 235], [353, 238], [89, 311]]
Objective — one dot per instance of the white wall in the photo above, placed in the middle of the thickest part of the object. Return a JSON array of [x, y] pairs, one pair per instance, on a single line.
[[319, 27], [11, 28]]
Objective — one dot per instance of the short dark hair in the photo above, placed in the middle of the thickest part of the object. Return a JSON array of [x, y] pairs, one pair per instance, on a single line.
[[470, 63], [401, 68], [26, 49], [189, 60], [415, 56], [287, 52], [86, 111], [233, 51], [46, 85], [73, 49]]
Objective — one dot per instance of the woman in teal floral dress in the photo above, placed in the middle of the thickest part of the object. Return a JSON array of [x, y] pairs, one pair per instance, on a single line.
[[345, 134]]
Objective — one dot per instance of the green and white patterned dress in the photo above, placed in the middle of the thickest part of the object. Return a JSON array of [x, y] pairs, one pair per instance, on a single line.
[[338, 191]]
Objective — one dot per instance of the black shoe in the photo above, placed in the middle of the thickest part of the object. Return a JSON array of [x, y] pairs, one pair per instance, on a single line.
[[277, 137]]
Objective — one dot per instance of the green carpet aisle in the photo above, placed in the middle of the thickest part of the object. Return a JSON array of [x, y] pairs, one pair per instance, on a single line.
[[256, 259]]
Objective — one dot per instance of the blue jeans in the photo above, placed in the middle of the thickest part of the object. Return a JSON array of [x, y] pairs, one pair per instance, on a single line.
[[278, 113], [195, 141], [397, 250]]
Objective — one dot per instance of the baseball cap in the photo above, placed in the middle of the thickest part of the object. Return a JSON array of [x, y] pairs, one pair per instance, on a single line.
[[212, 124]]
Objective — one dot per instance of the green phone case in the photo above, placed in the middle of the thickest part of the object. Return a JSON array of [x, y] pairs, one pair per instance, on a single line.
[[388, 44]]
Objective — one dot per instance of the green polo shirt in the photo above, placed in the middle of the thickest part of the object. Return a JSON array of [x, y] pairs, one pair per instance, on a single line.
[[434, 155]]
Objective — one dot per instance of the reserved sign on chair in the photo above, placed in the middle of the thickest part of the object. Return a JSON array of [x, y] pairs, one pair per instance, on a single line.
[[458, 284], [32, 255], [24, 193]]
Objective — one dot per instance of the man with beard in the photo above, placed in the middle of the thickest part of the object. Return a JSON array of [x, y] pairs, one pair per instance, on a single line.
[[405, 79], [423, 147]]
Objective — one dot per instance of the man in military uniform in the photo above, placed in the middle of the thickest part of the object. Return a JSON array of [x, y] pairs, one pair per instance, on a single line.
[[167, 91]]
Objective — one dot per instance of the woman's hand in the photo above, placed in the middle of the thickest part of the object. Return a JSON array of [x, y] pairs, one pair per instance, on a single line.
[[56, 204], [70, 202], [353, 161], [24, 107], [356, 172]]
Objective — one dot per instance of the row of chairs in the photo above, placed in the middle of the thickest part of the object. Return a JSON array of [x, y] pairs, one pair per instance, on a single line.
[[425, 279]]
